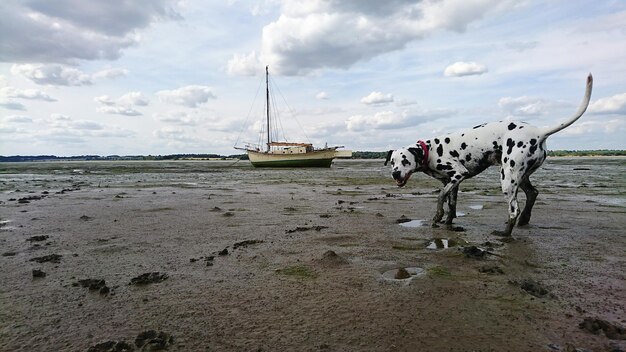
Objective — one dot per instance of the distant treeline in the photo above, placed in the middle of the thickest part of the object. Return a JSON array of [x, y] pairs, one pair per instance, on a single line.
[[355, 155], [20, 158]]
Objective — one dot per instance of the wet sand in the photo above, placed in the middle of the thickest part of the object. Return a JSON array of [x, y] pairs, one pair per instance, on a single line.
[[211, 256]]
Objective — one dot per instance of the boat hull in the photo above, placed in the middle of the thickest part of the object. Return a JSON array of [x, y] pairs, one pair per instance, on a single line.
[[318, 158]]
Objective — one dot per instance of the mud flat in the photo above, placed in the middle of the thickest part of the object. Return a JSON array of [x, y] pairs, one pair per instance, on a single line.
[[210, 256]]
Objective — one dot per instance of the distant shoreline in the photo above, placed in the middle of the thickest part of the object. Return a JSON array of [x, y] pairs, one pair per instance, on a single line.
[[216, 157]]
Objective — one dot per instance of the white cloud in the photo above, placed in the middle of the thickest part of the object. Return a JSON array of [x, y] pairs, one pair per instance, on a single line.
[[377, 98], [105, 100], [110, 73], [321, 96], [244, 65], [133, 98], [31, 94], [122, 105], [613, 126], [337, 34], [18, 119], [460, 69], [529, 106], [190, 96], [119, 110], [615, 104], [11, 104], [57, 75], [65, 30], [179, 118]]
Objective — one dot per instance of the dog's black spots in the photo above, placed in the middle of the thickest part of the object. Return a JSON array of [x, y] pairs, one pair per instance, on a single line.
[[462, 134], [510, 144], [417, 152], [479, 126], [454, 153], [440, 150], [438, 161], [531, 163], [512, 209], [443, 167], [520, 127], [505, 159], [512, 163], [462, 162], [436, 140], [476, 138], [533, 141], [451, 173], [519, 144], [512, 126], [447, 140], [532, 149], [463, 145], [468, 157], [502, 173], [458, 177], [405, 162]]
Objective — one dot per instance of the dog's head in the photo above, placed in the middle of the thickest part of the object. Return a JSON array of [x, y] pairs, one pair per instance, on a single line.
[[404, 162]]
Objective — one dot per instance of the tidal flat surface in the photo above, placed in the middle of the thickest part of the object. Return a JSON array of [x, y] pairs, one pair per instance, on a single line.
[[268, 259]]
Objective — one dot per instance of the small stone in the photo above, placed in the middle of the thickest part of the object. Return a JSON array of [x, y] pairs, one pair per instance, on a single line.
[[402, 274], [38, 273]]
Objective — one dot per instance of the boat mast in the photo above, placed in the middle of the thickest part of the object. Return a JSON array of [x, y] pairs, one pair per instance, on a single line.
[[267, 104]]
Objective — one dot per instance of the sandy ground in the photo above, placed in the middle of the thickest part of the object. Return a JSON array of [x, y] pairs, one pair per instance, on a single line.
[[305, 260]]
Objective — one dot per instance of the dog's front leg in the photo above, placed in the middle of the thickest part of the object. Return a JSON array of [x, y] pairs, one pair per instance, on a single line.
[[443, 195], [452, 205]]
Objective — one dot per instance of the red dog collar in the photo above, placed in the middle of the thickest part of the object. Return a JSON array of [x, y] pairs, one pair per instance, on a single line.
[[425, 151]]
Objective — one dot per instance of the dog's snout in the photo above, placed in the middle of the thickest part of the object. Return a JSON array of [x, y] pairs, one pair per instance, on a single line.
[[396, 175]]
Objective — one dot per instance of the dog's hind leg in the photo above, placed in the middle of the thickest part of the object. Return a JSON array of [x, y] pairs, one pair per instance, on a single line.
[[531, 196]]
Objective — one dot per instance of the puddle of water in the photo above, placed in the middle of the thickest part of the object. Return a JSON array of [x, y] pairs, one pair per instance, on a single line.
[[413, 223], [390, 275], [444, 243], [438, 243], [459, 214], [476, 207]]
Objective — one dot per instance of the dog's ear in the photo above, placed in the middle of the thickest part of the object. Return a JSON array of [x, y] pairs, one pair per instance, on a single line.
[[418, 153], [388, 157]]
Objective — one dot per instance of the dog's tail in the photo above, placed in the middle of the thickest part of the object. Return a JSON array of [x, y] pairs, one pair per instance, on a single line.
[[578, 114]]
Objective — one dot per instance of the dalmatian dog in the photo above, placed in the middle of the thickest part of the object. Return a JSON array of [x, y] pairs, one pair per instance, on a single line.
[[517, 147]]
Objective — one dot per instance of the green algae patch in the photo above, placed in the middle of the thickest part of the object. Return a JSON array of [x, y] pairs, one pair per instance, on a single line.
[[298, 271]]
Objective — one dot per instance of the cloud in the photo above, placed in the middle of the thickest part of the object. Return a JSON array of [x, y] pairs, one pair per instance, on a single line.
[[612, 126], [389, 120], [377, 98], [31, 94], [66, 30], [179, 118], [56, 75], [133, 98], [460, 69], [11, 105], [615, 104], [122, 105], [18, 119], [190, 96], [244, 65], [317, 34], [110, 73], [321, 96], [119, 110], [529, 106]]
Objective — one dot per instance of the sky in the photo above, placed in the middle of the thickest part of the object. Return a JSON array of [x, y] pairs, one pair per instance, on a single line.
[[155, 77]]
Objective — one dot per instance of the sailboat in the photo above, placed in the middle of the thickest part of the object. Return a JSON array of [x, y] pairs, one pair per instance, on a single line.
[[288, 154]]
